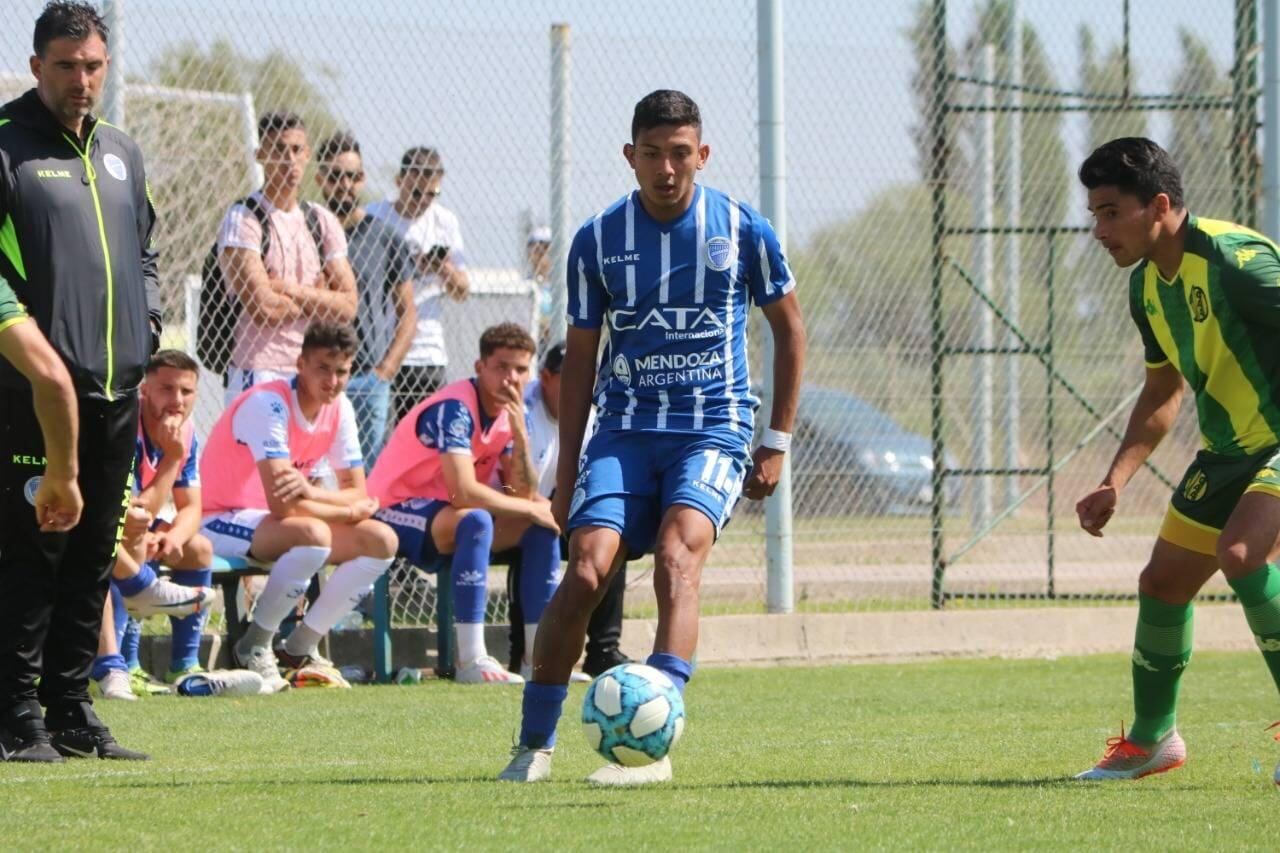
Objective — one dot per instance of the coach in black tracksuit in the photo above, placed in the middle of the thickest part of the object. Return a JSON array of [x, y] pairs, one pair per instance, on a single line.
[[75, 233]]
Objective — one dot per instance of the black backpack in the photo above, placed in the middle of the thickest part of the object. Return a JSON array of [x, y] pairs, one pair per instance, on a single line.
[[219, 307]]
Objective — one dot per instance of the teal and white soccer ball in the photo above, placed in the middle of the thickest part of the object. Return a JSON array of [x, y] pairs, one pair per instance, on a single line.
[[632, 715]]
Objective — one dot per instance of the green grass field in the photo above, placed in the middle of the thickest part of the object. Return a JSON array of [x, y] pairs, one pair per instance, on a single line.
[[924, 755]]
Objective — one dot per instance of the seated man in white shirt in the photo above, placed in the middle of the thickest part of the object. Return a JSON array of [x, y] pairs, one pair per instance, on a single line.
[[604, 631], [259, 503]]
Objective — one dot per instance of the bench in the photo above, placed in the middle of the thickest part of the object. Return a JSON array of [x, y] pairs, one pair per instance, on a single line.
[[227, 572]]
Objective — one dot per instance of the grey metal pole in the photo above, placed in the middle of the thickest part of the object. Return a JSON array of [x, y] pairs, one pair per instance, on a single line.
[[1271, 115], [113, 107], [780, 595], [1013, 256], [561, 224], [983, 374]]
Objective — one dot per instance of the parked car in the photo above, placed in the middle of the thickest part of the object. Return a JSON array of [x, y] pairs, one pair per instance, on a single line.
[[850, 458]]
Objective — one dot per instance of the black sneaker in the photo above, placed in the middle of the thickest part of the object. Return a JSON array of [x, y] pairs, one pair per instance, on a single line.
[[23, 736], [88, 741], [594, 666]]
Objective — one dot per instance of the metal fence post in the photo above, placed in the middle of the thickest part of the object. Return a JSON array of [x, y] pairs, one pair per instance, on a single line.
[[780, 597]]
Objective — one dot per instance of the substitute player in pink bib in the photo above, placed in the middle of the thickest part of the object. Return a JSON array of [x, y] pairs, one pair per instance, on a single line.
[[260, 503], [432, 478]]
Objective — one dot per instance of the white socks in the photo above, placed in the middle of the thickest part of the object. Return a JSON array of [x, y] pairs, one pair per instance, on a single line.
[[287, 582], [470, 641], [530, 633], [343, 591]]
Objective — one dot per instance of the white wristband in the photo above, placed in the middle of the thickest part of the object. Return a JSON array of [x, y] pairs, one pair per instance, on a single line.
[[776, 440]]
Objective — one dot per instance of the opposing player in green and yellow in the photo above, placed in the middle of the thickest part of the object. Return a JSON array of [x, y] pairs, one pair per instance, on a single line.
[[1205, 296]]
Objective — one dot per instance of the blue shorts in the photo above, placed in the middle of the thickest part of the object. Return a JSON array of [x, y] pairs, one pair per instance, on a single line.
[[628, 480], [411, 520]]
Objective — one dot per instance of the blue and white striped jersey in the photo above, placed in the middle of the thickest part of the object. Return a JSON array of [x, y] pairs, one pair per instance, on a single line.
[[674, 298]]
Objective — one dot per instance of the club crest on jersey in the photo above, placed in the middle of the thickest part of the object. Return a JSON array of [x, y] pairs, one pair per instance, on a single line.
[[30, 489], [622, 370], [720, 253], [115, 166]]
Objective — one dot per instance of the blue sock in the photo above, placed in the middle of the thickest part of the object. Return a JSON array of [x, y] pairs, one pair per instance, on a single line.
[[541, 711], [184, 650], [130, 587], [129, 645], [119, 616], [677, 669], [471, 566], [539, 571], [104, 664]]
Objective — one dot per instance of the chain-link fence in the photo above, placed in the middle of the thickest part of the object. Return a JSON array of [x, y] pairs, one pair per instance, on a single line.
[[915, 132]]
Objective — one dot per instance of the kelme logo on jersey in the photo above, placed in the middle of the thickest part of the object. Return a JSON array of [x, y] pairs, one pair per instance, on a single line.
[[115, 166], [1199, 304], [720, 253], [622, 370], [30, 489], [1195, 487], [1243, 256]]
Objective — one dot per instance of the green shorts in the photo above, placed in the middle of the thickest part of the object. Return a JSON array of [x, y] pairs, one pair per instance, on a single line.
[[1209, 492]]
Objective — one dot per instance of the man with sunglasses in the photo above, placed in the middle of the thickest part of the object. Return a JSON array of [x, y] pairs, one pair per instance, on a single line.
[[434, 233], [384, 270]]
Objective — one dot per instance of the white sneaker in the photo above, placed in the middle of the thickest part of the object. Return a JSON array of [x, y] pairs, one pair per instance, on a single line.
[[220, 682], [575, 677], [617, 775], [527, 765], [486, 670], [262, 661], [171, 599], [116, 684]]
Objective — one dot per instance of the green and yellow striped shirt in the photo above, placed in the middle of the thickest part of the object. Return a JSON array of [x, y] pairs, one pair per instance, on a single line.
[[11, 310], [1218, 323]]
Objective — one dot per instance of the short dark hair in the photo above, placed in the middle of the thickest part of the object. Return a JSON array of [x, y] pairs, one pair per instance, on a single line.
[[1136, 166], [341, 142], [62, 19], [279, 120], [421, 158], [665, 106], [323, 334], [553, 358], [506, 336], [175, 358]]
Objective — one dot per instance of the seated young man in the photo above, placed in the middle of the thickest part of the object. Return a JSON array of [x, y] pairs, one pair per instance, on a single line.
[[168, 482], [259, 503], [432, 477]]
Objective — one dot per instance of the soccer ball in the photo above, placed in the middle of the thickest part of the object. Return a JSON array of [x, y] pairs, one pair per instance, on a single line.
[[632, 715]]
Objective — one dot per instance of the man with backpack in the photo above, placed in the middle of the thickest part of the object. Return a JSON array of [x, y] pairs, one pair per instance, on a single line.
[[281, 264]]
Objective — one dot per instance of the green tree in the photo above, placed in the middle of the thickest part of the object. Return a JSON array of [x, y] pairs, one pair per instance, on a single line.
[[1201, 137]]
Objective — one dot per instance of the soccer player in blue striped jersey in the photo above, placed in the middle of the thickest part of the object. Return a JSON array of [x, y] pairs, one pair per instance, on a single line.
[[667, 275]]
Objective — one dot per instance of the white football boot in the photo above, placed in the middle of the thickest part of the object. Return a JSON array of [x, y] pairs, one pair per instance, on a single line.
[[619, 776], [527, 765]]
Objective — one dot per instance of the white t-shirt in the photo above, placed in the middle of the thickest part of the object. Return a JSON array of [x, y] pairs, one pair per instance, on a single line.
[[436, 226], [262, 423], [544, 436]]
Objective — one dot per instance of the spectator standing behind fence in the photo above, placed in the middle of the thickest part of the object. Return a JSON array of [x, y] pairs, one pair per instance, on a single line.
[[384, 270], [434, 233], [302, 276], [537, 270]]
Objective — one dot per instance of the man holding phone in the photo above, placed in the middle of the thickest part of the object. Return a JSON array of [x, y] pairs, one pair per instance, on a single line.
[[434, 232]]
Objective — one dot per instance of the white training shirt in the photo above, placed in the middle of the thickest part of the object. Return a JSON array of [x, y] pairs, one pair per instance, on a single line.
[[262, 423]]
